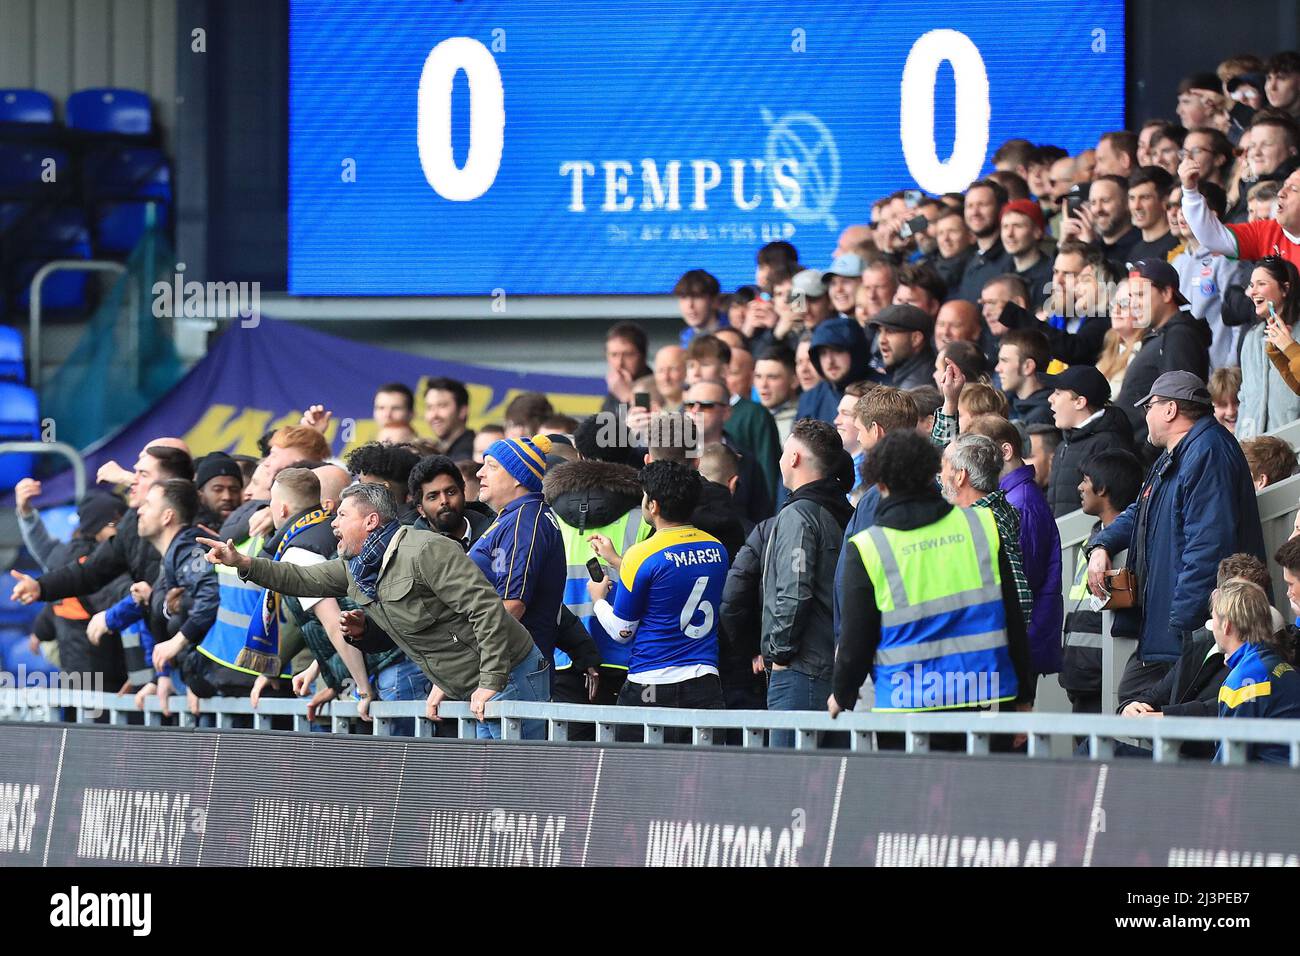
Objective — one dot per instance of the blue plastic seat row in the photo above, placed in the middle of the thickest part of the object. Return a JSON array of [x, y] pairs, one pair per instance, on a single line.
[[118, 185], [98, 110]]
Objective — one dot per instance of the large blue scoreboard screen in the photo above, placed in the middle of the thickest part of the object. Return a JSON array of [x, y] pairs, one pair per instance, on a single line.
[[568, 147]]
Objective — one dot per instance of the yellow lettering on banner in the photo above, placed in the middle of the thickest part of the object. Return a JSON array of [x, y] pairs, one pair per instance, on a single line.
[[481, 412], [284, 421], [236, 430], [221, 428]]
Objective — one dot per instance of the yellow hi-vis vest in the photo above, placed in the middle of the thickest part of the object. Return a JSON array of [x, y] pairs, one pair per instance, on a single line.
[[623, 533], [943, 635]]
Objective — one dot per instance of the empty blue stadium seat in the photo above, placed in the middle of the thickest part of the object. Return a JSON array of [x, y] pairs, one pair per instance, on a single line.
[[26, 106], [13, 362], [60, 521], [12, 213], [15, 617], [127, 173], [20, 420], [58, 233], [119, 226], [120, 185], [26, 171], [109, 110], [19, 660]]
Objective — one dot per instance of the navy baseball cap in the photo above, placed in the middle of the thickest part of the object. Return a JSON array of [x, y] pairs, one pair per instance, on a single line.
[[1159, 273], [1084, 380]]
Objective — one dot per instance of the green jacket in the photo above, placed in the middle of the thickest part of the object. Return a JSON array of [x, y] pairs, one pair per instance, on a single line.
[[432, 600], [753, 428], [332, 669]]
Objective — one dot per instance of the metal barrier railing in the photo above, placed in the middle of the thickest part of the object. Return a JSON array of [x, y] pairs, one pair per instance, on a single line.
[[1166, 735], [53, 448], [35, 319]]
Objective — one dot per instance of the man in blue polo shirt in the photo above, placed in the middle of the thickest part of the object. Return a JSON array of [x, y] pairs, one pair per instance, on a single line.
[[667, 598], [522, 552]]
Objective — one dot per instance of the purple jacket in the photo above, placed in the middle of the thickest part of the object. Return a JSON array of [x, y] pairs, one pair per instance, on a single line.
[[1041, 544]]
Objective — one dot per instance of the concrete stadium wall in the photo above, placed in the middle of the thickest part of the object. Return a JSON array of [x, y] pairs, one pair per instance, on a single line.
[[78, 796]]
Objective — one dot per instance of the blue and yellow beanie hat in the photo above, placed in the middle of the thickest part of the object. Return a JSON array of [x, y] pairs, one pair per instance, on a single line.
[[523, 458]]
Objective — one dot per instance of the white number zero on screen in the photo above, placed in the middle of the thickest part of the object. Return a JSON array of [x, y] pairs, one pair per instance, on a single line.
[[916, 119], [693, 603], [487, 119]]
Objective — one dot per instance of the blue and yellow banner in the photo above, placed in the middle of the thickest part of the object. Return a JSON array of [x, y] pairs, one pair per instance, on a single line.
[[254, 380]]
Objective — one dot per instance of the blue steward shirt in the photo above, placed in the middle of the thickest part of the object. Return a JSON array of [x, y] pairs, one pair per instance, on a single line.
[[669, 591], [522, 555]]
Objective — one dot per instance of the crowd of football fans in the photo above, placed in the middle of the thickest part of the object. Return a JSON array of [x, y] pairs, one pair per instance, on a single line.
[[744, 524]]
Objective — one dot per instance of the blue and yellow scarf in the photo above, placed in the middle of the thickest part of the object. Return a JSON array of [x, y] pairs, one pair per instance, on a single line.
[[261, 651]]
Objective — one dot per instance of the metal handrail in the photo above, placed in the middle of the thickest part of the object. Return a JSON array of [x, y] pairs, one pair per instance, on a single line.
[[34, 307], [52, 448], [1166, 735]]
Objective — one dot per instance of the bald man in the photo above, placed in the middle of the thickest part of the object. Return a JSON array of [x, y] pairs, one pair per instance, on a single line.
[[851, 238], [670, 376], [957, 320], [333, 480]]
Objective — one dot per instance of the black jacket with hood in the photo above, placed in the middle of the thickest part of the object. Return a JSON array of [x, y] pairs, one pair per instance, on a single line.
[[823, 400], [1079, 445], [588, 494]]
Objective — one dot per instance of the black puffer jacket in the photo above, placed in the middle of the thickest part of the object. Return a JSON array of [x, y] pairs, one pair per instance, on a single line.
[[589, 494], [1079, 445]]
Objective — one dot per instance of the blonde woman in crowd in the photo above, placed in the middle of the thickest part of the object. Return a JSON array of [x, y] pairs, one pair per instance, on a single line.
[[1122, 341]]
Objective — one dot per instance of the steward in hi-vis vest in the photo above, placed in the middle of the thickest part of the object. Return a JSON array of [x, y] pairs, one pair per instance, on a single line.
[[593, 497], [943, 630], [927, 602]]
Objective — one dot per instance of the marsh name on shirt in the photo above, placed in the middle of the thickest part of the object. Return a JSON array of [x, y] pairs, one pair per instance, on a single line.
[[683, 559]]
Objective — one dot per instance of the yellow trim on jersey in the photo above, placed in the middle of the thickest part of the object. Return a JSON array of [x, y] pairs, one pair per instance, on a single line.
[[640, 552], [1236, 697]]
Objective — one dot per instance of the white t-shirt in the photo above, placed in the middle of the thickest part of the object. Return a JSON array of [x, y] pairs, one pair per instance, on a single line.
[[304, 558]]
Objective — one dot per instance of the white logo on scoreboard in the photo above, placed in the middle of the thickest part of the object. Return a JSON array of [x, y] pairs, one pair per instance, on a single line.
[[804, 142]]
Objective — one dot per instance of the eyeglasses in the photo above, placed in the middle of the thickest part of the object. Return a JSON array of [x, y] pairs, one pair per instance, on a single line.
[[697, 406], [1156, 401]]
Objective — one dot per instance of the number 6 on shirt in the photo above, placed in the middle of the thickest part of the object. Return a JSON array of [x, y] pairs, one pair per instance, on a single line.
[[693, 603]]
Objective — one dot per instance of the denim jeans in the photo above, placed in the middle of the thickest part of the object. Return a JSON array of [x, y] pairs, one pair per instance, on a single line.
[[531, 680], [790, 690], [402, 680]]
